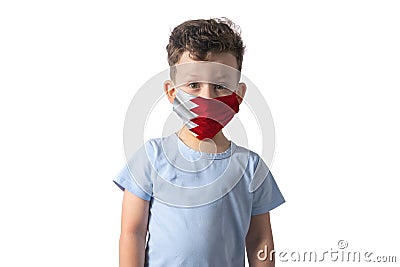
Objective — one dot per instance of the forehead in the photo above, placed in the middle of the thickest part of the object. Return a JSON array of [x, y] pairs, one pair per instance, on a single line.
[[222, 58], [212, 71]]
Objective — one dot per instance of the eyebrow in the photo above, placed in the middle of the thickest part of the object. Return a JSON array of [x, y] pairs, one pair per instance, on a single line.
[[195, 77]]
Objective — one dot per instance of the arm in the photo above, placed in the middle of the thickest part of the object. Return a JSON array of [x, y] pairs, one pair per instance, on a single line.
[[258, 238], [132, 240]]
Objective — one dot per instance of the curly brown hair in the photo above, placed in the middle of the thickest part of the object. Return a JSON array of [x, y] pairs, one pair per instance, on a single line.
[[200, 37]]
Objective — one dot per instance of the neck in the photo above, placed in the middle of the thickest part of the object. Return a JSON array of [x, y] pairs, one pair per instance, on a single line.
[[219, 143]]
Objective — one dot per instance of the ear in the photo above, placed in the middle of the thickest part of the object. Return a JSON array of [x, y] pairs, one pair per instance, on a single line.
[[242, 87], [170, 90]]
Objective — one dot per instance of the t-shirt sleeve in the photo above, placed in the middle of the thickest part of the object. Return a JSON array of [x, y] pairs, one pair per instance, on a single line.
[[136, 175], [266, 193]]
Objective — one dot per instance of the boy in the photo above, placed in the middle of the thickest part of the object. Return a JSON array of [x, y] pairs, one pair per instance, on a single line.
[[201, 198]]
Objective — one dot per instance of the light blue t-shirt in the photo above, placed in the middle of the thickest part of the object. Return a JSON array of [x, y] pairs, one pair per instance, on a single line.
[[200, 203]]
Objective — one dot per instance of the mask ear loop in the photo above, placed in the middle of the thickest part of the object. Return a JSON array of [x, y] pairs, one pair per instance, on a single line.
[[236, 89], [178, 92], [173, 85], [176, 97]]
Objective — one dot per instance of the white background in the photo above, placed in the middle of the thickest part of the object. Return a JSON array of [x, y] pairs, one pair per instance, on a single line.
[[329, 71]]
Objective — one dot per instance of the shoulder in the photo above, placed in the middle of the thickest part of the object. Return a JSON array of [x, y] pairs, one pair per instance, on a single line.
[[155, 147], [144, 154], [159, 149], [257, 169], [252, 157], [152, 144]]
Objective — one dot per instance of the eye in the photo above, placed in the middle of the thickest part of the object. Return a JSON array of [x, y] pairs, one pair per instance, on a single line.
[[194, 85], [220, 87]]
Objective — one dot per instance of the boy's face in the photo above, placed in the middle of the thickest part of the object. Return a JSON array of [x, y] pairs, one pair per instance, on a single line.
[[206, 89]]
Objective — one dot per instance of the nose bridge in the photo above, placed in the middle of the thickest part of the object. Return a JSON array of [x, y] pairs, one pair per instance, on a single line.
[[207, 90]]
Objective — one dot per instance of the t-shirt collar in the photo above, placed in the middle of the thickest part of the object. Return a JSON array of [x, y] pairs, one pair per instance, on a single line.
[[198, 154]]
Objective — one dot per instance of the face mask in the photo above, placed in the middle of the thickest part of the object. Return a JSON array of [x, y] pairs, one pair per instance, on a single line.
[[205, 117]]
